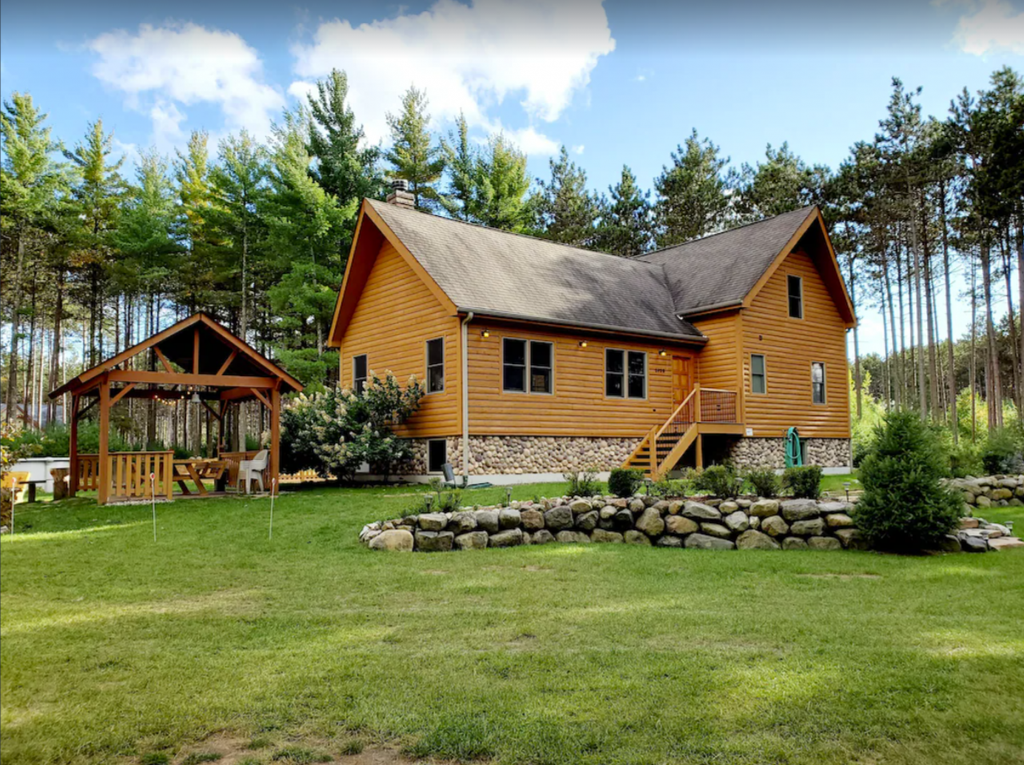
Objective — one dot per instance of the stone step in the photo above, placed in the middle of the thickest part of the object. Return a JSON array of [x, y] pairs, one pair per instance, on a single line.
[[1005, 543]]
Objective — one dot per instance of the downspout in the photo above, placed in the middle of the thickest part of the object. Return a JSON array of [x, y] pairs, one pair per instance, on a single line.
[[465, 398]]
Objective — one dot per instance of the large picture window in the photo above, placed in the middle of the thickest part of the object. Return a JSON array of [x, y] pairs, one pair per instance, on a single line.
[[435, 365], [817, 382], [625, 373], [795, 287], [359, 371], [758, 378], [527, 366]]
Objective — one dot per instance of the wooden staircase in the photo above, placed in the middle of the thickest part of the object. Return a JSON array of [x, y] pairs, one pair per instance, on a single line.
[[702, 411]]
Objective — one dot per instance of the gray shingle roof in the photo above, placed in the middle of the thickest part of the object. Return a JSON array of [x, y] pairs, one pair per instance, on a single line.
[[723, 268], [499, 274]]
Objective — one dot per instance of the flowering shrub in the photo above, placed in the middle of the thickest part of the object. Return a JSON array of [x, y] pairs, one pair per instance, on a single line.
[[334, 431]]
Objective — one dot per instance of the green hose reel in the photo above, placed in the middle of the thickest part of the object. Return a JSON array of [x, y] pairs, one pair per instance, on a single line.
[[794, 454]]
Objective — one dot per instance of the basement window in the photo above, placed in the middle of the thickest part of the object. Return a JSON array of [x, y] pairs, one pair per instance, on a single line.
[[817, 382], [795, 288], [435, 365], [359, 368], [437, 454]]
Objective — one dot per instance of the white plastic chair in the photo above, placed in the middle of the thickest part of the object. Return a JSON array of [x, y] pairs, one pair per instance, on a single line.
[[252, 470]]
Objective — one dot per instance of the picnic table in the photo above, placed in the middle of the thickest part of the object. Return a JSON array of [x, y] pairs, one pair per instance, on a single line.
[[32, 483], [197, 470]]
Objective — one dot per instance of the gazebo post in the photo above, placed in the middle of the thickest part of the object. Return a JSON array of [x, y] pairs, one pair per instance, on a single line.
[[103, 490], [275, 435], [73, 454]]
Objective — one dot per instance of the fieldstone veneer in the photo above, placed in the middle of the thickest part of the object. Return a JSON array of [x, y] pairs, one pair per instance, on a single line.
[[519, 455], [771, 452]]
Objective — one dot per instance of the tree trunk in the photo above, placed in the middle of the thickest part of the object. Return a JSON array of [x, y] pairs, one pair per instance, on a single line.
[[921, 382], [56, 355], [12, 367], [950, 361], [974, 351], [1006, 247], [929, 301], [993, 384]]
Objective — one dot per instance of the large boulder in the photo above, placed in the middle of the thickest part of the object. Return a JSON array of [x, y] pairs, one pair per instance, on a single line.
[[675, 507], [580, 506], [765, 508], [716, 530], [558, 518], [532, 519], [650, 522], [623, 520], [794, 543], [972, 543], [799, 509], [838, 521], [587, 521], [397, 540], [737, 521], [755, 540], [572, 537], [854, 539], [950, 543], [506, 538], [434, 541], [824, 543], [669, 541], [433, 521], [705, 542], [608, 512], [541, 537], [509, 518], [472, 540], [461, 523], [636, 505], [634, 537], [681, 525], [700, 511], [810, 528], [600, 535], [487, 520]]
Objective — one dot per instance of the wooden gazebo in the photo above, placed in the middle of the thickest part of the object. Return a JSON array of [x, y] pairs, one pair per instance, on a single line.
[[200, 360]]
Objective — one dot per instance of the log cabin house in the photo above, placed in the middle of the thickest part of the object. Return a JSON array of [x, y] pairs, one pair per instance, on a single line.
[[538, 358]]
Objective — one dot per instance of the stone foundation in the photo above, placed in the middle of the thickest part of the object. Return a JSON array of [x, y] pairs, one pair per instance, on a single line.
[[771, 452]]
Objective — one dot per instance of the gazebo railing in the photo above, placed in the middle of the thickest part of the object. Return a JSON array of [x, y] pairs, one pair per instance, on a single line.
[[129, 473]]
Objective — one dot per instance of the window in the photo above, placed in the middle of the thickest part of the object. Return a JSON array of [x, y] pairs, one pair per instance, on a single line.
[[518, 356], [435, 365], [437, 454], [513, 360], [758, 379], [625, 374], [359, 373], [795, 286], [817, 382]]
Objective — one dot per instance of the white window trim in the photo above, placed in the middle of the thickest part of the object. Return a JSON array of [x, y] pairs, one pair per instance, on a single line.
[[764, 364], [358, 356], [429, 442], [527, 368], [803, 309], [426, 361], [625, 375], [824, 384]]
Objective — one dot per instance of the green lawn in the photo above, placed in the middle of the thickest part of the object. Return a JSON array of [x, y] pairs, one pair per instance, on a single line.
[[115, 647]]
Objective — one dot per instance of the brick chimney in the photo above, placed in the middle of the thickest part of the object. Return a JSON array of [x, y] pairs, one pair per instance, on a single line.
[[400, 195]]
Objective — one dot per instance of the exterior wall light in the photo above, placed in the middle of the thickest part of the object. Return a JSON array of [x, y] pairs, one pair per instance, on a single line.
[[485, 333], [583, 343], [663, 352]]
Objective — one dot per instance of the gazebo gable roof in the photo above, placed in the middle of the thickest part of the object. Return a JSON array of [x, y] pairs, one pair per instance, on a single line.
[[198, 345]]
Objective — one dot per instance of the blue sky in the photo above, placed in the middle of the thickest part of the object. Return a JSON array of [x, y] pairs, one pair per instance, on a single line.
[[618, 82]]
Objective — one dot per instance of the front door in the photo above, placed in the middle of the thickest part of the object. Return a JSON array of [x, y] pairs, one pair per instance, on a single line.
[[682, 379]]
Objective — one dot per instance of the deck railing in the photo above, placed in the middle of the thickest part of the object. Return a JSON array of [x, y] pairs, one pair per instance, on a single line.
[[718, 406]]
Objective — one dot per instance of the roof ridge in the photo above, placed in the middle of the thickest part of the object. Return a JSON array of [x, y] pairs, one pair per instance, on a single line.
[[725, 231], [531, 237]]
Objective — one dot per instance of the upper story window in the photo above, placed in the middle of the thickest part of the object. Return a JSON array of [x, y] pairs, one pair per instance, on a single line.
[[758, 376], [625, 373], [795, 288], [527, 366], [435, 365], [359, 371], [817, 382]]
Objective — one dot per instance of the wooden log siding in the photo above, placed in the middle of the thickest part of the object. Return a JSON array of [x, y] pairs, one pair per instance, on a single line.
[[396, 315], [578, 406], [789, 346], [718, 365]]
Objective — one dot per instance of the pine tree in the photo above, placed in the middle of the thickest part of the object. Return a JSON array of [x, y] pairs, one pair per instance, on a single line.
[[198, 275], [625, 228], [500, 185], [563, 210], [693, 193], [783, 182], [412, 154], [460, 161]]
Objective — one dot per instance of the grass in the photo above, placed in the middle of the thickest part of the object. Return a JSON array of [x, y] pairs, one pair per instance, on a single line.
[[114, 646]]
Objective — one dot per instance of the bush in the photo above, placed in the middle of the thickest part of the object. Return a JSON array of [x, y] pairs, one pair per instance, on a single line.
[[624, 482], [965, 460], [583, 483], [764, 482], [1001, 453], [904, 507], [667, 487], [716, 481], [803, 482]]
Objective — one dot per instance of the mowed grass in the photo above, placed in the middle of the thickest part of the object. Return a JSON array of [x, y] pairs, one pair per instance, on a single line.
[[115, 648]]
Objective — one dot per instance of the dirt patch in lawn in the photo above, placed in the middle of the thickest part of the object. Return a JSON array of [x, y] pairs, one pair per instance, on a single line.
[[232, 749], [841, 577]]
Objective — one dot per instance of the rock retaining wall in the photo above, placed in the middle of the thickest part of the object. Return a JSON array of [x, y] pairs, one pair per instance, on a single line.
[[742, 523], [989, 491]]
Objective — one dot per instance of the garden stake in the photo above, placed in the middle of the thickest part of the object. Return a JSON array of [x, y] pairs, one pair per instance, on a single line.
[[152, 494], [273, 485]]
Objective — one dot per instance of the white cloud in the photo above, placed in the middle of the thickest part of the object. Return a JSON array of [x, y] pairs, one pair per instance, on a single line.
[[579, 149], [160, 68], [988, 26], [469, 59]]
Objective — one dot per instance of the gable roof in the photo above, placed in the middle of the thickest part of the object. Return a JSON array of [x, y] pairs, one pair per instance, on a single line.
[[221, 352], [503, 275], [722, 269]]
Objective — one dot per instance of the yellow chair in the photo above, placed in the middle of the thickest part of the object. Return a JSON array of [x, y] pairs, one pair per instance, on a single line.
[[16, 481]]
